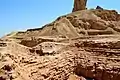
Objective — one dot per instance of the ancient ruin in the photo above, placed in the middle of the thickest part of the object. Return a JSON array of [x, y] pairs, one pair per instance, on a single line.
[[83, 45], [79, 5]]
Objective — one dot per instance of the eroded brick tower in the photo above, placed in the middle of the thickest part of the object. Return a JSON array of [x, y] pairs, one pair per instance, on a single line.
[[79, 5]]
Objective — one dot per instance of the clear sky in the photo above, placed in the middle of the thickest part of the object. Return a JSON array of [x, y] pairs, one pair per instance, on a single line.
[[24, 14]]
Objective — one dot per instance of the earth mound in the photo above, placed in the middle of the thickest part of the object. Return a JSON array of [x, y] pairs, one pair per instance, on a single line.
[[77, 24]]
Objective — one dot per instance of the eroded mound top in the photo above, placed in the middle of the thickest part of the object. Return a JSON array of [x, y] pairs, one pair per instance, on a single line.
[[76, 24]]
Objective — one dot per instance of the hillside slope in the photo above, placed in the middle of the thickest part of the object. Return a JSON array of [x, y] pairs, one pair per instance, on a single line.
[[76, 24]]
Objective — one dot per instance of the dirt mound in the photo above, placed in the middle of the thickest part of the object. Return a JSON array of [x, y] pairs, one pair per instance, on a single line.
[[77, 24]]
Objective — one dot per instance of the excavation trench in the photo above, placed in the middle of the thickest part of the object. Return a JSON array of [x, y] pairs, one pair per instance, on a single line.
[[95, 73]]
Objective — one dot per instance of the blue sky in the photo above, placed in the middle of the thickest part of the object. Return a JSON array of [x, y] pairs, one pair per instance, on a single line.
[[24, 14]]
